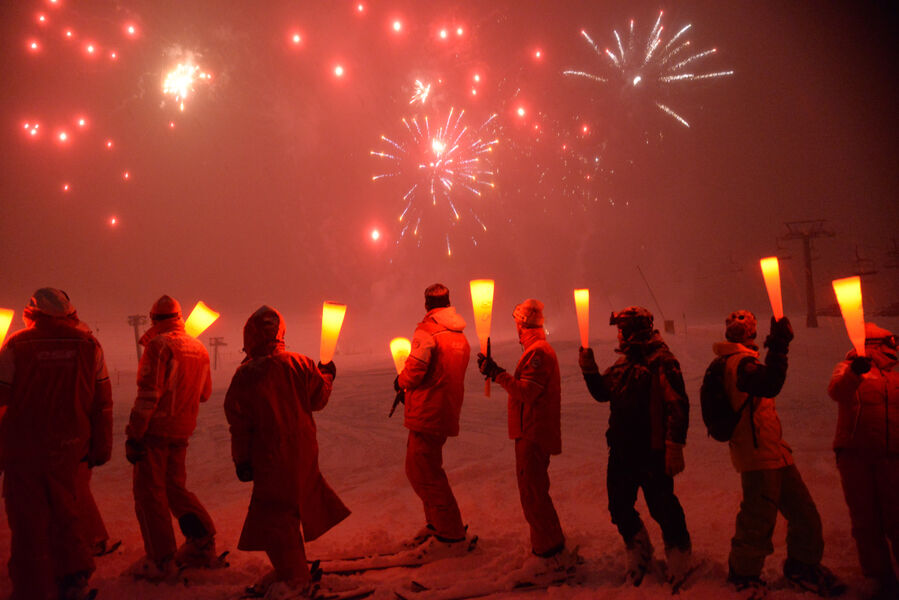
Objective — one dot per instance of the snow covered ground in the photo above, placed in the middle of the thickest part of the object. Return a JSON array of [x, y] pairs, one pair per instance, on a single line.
[[362, 457]]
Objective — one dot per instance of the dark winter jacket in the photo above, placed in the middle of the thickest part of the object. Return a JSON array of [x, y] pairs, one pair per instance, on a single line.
[[434, 374], [649, 403], [757, 442], [535, 394]]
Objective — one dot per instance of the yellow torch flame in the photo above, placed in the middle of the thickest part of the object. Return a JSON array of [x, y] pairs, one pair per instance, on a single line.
[[771, 273], [582, 306], [849, 296], [482, 303], [332, 320], [199, 320], [5, 321], [400, 348]]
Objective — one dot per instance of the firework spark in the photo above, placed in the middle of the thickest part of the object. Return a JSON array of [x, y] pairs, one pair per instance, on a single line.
[[179, 82], [422, 90], [650, 63], [446, 168]]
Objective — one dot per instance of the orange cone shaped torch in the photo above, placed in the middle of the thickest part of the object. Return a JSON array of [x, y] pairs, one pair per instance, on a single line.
[[582, 306], [332, 320], [849, 296], [482, 304], [5, 321], [771, 273], [400, 348], [199, 320]]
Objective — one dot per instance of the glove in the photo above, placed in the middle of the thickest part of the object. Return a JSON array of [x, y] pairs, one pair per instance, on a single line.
[[244, 471], [135, 451], [329, 367], [781, 335], [396, 384], [586, 360], [860, 365], [488, 368], [674, 458]]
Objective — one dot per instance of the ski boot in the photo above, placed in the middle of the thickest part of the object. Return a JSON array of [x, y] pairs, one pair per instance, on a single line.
[[813, 578], [748, 587], [639, 557]]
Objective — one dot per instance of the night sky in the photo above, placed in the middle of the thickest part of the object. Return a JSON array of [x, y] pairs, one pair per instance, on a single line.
[[261, 191]]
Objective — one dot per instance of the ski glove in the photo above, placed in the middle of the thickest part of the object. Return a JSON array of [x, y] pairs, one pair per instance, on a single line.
[[781, 335], [135, 451], [586, 360], [674, 458], [244, 471], [488, 367], [328, 367], [860, 365]]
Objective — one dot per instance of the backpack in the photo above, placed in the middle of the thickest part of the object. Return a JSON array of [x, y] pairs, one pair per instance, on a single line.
[[717, 413]]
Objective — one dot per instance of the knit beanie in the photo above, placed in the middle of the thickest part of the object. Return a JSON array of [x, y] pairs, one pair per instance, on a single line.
[[740, 327]]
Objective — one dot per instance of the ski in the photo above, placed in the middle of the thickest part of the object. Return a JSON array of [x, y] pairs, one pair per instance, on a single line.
[[468, 590], [428, 551]]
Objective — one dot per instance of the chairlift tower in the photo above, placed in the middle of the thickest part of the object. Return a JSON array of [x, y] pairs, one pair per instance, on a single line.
[[808, 231], [137, 321], [215, 342]]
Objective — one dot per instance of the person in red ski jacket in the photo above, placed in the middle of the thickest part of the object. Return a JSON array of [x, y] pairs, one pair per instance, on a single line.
[[433, 384], [269, 407], [58, 424], [867, 452], [173, 379], [535, 401]]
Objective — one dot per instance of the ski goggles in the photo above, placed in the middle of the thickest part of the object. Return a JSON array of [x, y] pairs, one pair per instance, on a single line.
[[888, 341]]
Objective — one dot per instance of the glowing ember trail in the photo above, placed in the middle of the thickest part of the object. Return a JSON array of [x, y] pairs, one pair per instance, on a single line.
[[650, 64], [422, 90], [445, 168], [179, 82]]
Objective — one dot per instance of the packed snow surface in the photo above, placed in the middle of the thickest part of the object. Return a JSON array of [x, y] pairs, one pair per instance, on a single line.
[[362, 453]]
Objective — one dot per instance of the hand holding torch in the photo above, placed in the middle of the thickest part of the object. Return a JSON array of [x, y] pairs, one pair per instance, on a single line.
[[482, 304], [399, 348]]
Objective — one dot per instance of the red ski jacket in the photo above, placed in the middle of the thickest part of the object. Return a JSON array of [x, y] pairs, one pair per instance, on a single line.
[[54, 382], [868, 417], [173, 379], [434, 374], [535, 394]]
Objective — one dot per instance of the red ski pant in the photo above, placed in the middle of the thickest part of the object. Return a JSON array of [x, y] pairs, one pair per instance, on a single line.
[[531, 466], [47, 534], [765, 493], [95, 530], [424, 468], [160, 492], [871, 488]]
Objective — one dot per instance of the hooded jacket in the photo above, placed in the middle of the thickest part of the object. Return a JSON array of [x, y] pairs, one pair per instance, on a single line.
[[868, 417], [54, 382], [757, 442], [434, 374], [173, 379], [649, 403], [535, 393], [269, 407]]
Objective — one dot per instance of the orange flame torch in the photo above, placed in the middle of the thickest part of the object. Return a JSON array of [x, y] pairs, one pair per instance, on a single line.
[[582, 306], [771, 273], [400, 348], [482, 304], [849, 296], [5, 321], [199, 319], [332, 320]]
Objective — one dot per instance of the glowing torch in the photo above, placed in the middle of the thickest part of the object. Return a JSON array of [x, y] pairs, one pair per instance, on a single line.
[[771, 273], [400, 348], [332, 320], [482, 303], [199, 320], [849, 296], [582, 306], [5, 321]]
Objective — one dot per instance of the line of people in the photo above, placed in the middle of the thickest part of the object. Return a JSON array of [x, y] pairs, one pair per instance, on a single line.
[[58, 426]]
